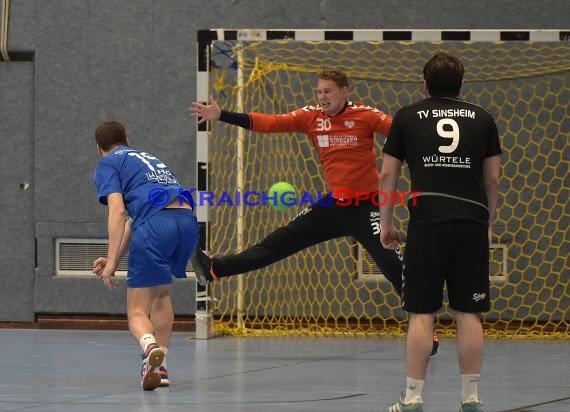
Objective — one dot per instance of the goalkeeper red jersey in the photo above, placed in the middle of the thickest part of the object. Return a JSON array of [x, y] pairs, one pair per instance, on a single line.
[[344, 143]]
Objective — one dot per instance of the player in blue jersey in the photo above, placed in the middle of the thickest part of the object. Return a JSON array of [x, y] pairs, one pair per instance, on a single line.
[[149, 213], [453, 153]]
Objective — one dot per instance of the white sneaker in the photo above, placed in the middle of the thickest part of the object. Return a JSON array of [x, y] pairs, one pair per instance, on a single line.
[[150, 372], [400, 406], [472, 407]]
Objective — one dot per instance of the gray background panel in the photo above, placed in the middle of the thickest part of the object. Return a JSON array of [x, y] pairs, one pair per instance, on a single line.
[[16, 205]]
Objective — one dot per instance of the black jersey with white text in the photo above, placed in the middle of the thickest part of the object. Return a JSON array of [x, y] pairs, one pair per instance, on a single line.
[[444, 142]]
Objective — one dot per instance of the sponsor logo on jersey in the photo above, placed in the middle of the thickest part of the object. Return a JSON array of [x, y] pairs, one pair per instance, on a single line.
[[437, 160], [325, 140], [479, 296]]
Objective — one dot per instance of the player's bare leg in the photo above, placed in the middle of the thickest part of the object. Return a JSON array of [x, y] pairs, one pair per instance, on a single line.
[[162, 318], [470, 349], [139, 304]]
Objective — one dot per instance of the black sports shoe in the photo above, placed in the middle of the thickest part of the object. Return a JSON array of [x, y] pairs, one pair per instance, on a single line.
[[435, 346], [202, 264]]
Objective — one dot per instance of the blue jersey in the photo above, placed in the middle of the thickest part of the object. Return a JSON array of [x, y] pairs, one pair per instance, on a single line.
[[147, 184]]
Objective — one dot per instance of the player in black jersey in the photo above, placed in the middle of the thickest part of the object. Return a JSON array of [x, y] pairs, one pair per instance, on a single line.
[[453, 153]]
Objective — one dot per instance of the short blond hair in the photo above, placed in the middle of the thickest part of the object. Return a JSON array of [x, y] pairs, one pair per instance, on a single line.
[[340, 78]]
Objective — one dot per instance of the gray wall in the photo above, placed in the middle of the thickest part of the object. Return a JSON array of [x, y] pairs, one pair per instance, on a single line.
[[16, 202], [134, 61]]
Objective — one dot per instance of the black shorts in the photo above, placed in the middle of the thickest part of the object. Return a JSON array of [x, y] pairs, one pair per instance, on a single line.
[[455, 253]]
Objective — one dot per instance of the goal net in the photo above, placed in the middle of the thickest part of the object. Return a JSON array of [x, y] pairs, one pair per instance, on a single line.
[[334, 288]]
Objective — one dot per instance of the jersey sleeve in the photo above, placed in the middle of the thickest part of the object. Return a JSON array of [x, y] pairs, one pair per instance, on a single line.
[[394, 145], [273, 123], [383, 122], [106, 182], [493, 143]]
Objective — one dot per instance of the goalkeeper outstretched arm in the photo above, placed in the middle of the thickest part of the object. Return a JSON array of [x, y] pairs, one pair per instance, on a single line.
[[259, 122], [204, 112]]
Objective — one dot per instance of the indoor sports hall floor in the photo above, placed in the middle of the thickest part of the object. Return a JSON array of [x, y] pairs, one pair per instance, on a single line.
[[64, 370]]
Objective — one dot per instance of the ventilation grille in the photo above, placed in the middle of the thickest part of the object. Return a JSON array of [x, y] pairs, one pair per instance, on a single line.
[[74, 257], [367, 269]]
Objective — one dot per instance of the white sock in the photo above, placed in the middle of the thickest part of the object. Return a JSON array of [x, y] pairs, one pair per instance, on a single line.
[[146, 340], [469, 388], [165, 350], [414, 388]]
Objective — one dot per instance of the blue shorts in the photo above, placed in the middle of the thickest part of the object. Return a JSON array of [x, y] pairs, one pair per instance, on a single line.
[[161, 247]]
